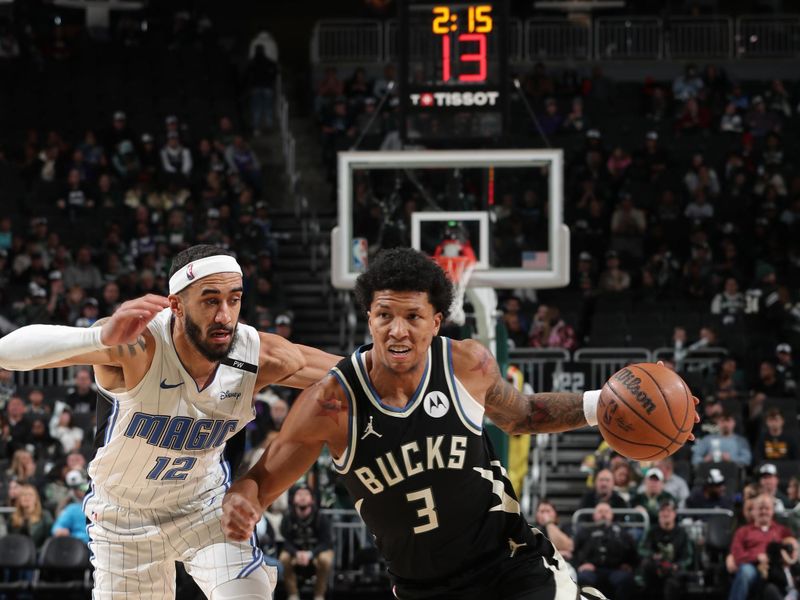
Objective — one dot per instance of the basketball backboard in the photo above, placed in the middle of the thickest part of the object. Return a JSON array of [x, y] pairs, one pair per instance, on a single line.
[[506, 204]]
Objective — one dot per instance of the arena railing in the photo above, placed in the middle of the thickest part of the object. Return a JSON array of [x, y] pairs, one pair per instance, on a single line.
[[622, 38], [627, 518], [604, 362], [349, 535], [347, 40], [768, 36], [535, 363], [558, 39], [707, 37], [45, 377], [605, 38], [701, 359]]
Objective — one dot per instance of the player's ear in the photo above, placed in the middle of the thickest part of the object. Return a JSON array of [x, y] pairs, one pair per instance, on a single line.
[[437, 323], [176, 304]]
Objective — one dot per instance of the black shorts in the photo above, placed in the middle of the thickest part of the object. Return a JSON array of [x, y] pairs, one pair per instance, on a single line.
[[531, 574]]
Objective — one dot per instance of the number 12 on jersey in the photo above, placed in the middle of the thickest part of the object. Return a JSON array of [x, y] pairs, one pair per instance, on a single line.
[[180, 468], [428, 511]]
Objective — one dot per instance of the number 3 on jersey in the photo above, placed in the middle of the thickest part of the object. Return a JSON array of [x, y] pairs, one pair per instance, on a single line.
[[428, 511], [181, 466]]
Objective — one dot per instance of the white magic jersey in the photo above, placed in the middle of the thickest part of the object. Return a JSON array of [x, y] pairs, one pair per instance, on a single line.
[[164, 440]]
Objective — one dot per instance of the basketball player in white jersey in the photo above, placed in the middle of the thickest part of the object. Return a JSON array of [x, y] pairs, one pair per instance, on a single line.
[[180, 374]]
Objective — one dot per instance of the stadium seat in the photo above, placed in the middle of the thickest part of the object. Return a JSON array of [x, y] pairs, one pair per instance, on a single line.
[[17, 559], [63, 566]]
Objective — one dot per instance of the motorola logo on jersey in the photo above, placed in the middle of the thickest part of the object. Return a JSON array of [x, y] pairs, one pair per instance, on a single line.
[[436, 404], [439, 99]]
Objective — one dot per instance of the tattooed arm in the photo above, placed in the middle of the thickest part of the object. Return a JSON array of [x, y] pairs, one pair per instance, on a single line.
[[511, 410], [318, 417]]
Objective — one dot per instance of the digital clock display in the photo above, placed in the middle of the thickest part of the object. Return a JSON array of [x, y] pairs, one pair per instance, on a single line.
[[452, 44], [453, 69]]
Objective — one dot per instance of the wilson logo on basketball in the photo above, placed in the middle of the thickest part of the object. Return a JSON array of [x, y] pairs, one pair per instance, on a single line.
[[633, 384]]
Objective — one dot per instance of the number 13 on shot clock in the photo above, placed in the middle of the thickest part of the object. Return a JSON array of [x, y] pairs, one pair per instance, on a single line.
[[453, 70]]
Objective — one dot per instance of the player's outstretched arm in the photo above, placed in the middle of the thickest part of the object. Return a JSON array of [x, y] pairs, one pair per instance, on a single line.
[[511, 410], [292, 365], [317, 417], [114, 341]]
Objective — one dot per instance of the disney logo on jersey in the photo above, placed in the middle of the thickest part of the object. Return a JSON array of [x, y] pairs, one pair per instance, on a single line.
[[229, 394], [436, 404]]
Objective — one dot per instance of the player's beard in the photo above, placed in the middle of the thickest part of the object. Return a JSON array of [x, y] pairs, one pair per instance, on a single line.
[[195, 335]]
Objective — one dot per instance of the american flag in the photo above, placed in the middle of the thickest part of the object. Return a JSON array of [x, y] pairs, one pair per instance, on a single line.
[[535, 260]]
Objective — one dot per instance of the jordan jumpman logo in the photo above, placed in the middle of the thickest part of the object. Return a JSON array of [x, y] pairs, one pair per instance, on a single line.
[[514, 547], [369, 429]]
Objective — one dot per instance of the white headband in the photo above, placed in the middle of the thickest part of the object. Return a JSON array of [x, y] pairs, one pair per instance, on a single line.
[[203, 267]]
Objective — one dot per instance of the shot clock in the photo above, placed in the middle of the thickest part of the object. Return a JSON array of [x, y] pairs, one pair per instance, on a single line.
[[453, 72]]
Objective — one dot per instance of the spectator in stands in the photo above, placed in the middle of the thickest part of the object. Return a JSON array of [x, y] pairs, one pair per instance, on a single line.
[[603, 492], [29, 518], [674, 484], [7, 387], [768, 482], [688, 84], [261, 75], [547, 520], [37, 405], [699, 210], [62, 429], [712, 494], [283, 326], [728, 383], [724, 446], [652, 494], [308, 543], [731, 120], [781, 571], [666, 552], [576, 120], [551, 120], [549, 330], [605, 555], [242, 159], [768, 382], [176, 160], [613, 279], [81, 398], [22, 468], [693, 118], [82, 272], [71, 522], [749, 547], [45, 449], [786, 367], [774, 443], [760, 121], [16, 421], [624, 484], [628, 226], [729, 304]]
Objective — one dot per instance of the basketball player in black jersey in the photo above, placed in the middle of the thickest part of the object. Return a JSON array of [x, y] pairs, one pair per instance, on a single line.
[[403, 418]]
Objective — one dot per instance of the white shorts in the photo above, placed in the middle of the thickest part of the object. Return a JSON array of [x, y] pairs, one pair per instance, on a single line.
[[134, 551]]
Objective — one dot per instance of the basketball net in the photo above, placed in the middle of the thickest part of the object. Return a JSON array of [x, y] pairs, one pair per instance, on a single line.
[[459, 269]]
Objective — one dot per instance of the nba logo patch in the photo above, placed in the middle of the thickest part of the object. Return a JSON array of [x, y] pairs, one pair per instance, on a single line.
[[436, 404], [189, 271]]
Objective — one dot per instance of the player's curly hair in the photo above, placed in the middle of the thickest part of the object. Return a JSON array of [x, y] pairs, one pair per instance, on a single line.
[[184, 257], [405, 270]]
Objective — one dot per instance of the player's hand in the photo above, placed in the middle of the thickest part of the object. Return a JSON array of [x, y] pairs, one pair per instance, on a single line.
[[131, 319], [239, 517], [696, 416]]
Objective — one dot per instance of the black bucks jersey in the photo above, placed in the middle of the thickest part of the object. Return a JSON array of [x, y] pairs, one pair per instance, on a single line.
[[423, 477]]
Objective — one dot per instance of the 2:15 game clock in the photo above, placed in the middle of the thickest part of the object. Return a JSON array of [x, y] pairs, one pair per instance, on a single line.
[[453, 72]]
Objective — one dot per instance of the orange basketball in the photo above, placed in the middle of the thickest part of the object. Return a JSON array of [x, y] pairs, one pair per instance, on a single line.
[[645, 411]]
